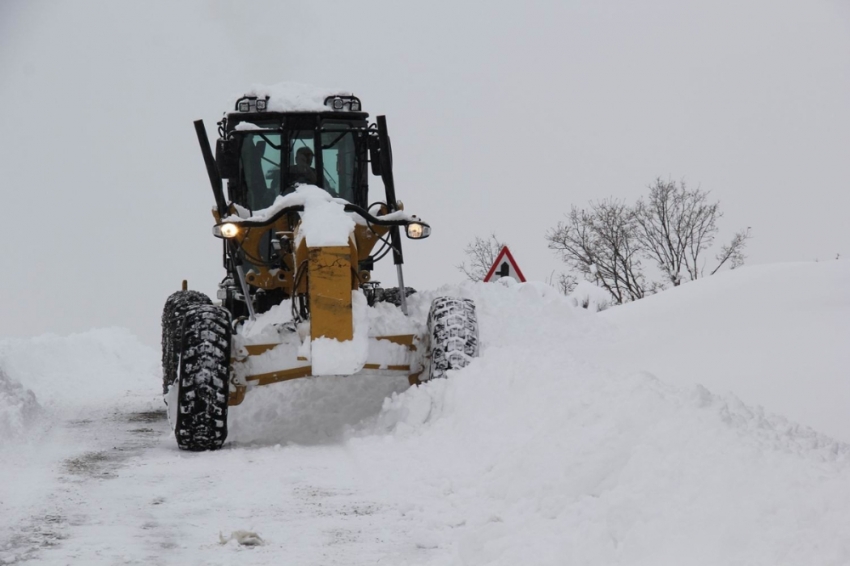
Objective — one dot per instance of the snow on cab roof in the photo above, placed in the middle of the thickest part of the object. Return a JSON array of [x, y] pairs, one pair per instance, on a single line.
[[294, 97]]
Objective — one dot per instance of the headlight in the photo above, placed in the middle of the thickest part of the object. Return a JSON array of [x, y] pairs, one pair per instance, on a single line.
[[226, 230], [229, 230], [418, 230]]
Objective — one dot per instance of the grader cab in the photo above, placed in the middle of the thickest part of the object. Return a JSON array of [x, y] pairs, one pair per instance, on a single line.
[[300, 241]]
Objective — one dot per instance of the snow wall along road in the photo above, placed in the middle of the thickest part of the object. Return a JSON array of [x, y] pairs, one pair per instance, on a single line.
[[557, 446]]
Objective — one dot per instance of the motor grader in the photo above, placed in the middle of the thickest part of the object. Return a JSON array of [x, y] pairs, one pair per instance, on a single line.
[[300, 240]]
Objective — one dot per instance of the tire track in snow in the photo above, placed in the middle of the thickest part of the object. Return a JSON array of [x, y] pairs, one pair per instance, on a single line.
[[119, 436], [129, 496]]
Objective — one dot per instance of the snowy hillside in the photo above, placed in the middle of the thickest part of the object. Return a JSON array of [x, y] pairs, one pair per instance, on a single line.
[[556, 446]]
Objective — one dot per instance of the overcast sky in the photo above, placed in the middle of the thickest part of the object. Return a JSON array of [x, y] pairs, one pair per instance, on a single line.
[[502, 116]]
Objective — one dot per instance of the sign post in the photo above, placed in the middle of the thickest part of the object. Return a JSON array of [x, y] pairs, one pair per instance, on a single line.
[[504, 266]]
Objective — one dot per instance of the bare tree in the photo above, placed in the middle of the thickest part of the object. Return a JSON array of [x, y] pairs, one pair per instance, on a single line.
[[480, 256], [565, 283], [601, 243], [676, 227], [733, 252]]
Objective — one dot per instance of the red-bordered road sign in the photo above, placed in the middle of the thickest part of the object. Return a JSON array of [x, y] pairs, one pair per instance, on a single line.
[[504, 266]]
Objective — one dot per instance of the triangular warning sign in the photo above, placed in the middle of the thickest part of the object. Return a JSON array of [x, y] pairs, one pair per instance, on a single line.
[[504, 266]]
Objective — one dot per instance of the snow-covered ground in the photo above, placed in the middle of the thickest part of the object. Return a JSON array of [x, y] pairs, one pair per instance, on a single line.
[[577, 437]]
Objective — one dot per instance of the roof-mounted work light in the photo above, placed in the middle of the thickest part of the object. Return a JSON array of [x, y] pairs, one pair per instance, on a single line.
[[252, 104], [343, 102]]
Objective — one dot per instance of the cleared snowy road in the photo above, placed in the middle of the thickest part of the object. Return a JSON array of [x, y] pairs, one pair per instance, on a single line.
[[87, 454], [126, 495]]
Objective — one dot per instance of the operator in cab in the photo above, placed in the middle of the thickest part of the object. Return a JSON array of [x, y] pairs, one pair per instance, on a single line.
[[302, 171]]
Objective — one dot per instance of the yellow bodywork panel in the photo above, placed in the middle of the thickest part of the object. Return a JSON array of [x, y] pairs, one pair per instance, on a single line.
[[251, 240], [301, 370], [329, 290]]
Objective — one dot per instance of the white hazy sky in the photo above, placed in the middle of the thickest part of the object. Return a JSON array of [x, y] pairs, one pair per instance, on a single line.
[[502, 116]]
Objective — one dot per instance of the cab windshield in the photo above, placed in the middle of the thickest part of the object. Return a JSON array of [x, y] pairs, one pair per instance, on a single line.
[[274, 163]]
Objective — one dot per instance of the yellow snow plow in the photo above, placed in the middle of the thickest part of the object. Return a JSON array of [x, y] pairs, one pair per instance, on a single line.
[[300, 241], [316, 334]]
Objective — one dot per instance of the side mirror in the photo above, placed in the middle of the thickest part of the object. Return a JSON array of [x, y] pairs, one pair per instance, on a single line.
[[227, 158]]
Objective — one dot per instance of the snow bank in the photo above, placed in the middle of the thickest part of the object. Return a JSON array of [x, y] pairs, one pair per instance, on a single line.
[[774, 335], [576, 466], [545, 450], [19, 408], [82, 370], [294, 97]]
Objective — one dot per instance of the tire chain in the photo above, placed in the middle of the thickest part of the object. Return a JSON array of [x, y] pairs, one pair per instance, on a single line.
[[204, 379], [172, 322]]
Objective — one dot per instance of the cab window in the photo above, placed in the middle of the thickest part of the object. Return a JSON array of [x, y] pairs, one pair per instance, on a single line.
[[261, 169], [339, 160], [275, 163]]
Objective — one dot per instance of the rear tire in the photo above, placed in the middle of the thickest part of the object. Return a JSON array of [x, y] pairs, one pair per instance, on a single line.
[[203, 379], [392, 295], [172, 323], [453, 335]]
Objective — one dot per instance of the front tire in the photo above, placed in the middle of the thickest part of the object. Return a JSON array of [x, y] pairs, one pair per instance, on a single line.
[[453, 335], [203, 379]]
